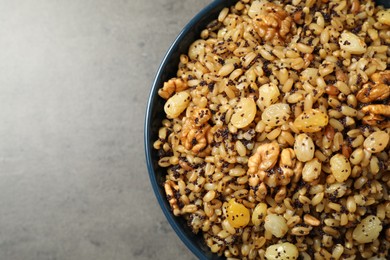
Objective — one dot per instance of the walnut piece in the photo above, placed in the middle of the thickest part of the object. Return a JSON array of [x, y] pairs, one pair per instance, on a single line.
[[376, 120], [272, 23], [262, 166], [195, 129], [169, 186], [381, 77], [377, 109], [200, 116], [377, 114], [287, 164], [171, 86], [265, 157], [280, 176], [373, 92]]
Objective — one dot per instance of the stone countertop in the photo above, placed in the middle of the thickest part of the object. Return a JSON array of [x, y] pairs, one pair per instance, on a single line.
[[74, 81]]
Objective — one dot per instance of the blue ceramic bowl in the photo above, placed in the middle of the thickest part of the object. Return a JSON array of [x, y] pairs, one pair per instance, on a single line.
[[385, 3], [155, 114]]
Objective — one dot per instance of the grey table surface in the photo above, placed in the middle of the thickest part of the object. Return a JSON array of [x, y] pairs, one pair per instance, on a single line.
[[74, 81]]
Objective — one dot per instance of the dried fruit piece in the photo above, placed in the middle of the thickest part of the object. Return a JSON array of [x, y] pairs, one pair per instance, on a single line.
[[352, 43], [376, 142], [304, 148], [312, 170], [276, 225], [276, 114], [367, 230], [309, 75], [196, 49], [176, 104], [268, 94], [340, 167], [259, 214], [237, 214], [384, 16], [283, 251], [311, 121], [256, 9], [336, 189], [244, 113]]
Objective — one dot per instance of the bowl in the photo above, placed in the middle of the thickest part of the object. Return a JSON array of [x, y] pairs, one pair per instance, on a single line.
[[385, 3], [155, 114]]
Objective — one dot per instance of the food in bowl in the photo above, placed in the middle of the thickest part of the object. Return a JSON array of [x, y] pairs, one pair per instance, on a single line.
[[276, 137]]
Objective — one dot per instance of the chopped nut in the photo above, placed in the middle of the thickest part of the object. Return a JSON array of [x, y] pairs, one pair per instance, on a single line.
[[265, 157], [262, 168], [377, 91], [287, 163], [168, 186], [271, 22], [201, 116], [193, 136], [371, 92], [377, 109], [376, 120], [381, 77], [171, 86]]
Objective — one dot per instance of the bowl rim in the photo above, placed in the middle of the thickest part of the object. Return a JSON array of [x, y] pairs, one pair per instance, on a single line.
[[147, 131], [172, 220]]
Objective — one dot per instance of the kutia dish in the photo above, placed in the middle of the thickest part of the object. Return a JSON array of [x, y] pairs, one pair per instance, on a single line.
[[271, 131]]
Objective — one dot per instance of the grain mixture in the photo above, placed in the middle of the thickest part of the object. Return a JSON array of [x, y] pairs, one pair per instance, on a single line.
[[276, 141]]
